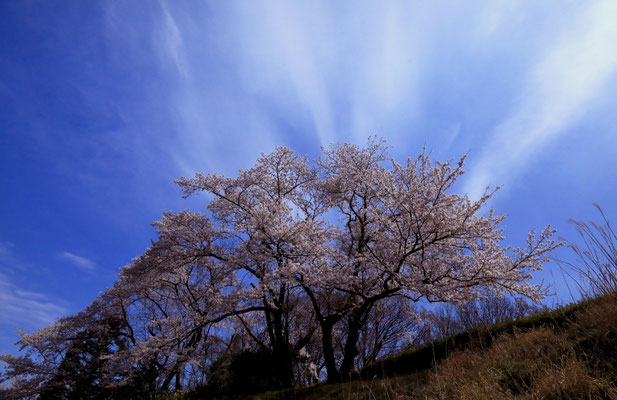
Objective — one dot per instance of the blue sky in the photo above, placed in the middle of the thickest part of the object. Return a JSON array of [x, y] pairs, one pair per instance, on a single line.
[[104, 104]]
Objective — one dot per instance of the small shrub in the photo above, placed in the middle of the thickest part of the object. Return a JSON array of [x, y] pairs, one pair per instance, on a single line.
[[247, 372]]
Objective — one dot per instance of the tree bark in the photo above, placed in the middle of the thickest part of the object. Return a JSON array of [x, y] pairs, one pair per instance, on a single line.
[[350, 351], [328, 351]]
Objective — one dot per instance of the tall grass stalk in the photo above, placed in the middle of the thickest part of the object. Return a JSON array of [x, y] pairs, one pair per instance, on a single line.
[[597, 257]]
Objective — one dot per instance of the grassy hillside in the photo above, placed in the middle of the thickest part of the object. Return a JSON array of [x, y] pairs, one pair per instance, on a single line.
[[569, 353]]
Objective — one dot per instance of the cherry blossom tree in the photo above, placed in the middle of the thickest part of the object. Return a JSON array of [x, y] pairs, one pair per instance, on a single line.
[[295, 258], [399, 233]]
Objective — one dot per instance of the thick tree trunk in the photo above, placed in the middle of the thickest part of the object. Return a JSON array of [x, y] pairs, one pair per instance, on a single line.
[[282, 360], [282, 353], [328, 352], [169, 378], [350, 350]]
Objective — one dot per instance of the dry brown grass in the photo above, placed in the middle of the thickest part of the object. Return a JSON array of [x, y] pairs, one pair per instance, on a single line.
[[569, 378], [505, 370], [572, 362]]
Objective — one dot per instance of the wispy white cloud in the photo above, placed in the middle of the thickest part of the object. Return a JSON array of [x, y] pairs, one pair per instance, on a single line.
[[349, 67], [173, 42], [79, 261], [23, 309], [19, 307], [559, 90]]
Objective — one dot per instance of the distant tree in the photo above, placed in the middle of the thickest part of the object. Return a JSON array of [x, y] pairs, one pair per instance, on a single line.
[[298, 257], [388, 329], [494, 310], [449, 319]]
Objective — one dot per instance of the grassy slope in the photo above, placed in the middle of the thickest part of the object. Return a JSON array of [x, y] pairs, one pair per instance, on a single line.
[[569, 353]]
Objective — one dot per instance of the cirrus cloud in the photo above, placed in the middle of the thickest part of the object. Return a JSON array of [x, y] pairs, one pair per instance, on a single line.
[[78, 261], [559, 89]]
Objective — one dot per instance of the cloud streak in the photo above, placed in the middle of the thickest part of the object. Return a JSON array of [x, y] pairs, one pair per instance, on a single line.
[[558, 91], [21, 308], [78, 261], [26, 309], [350, 68]]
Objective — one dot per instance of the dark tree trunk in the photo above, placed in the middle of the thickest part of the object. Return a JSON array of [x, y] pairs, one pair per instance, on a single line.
[[283, 365], [328, 352], [282, 358], [350, 350]]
